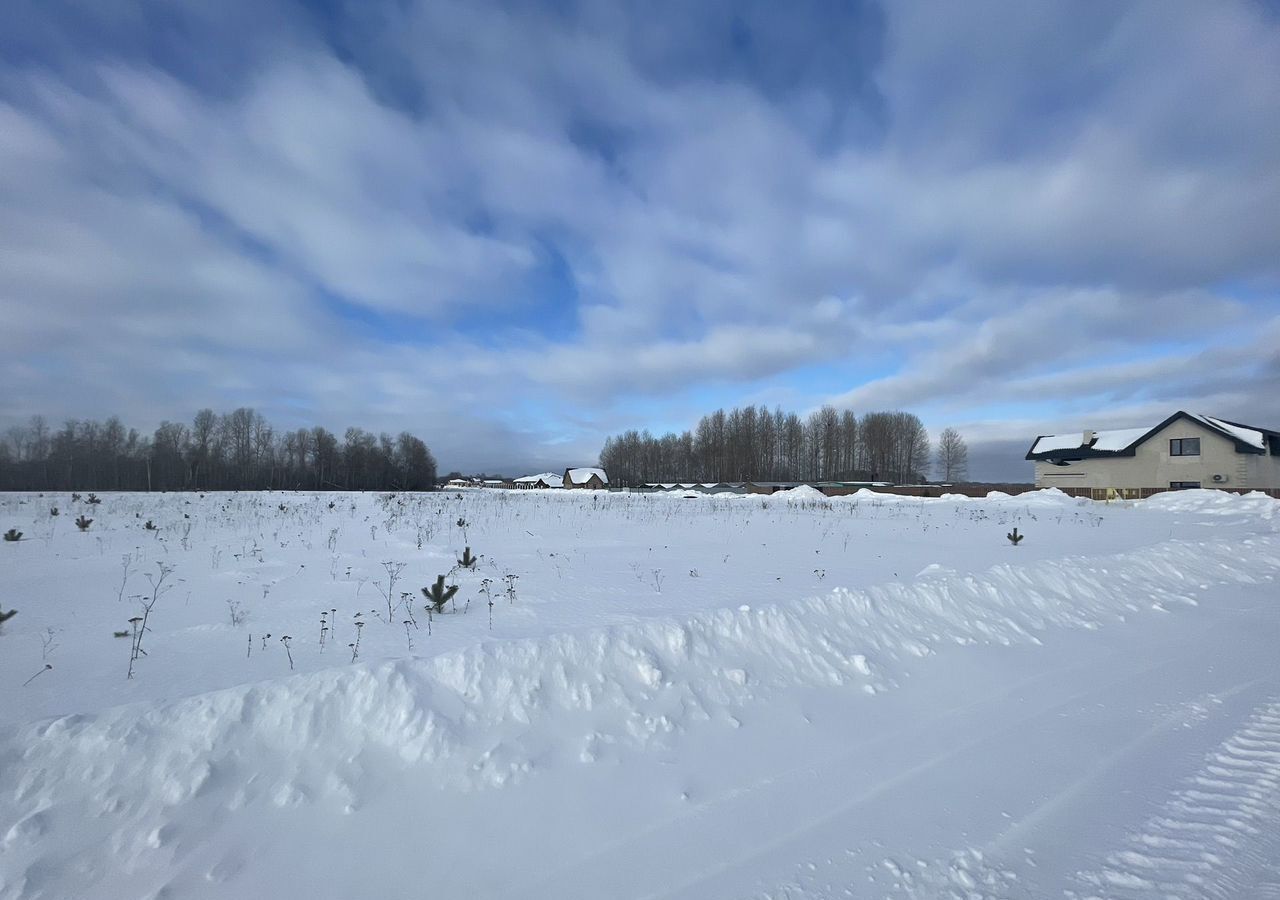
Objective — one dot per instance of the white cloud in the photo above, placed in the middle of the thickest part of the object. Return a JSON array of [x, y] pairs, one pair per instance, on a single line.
[[1026, 206]]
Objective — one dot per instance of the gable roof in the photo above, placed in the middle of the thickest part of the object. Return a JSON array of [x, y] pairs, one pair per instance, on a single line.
[[1125, 441], [579, 476], [550, 479]]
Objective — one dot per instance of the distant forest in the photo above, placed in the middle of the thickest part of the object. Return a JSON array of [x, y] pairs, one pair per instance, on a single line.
[[754, 444], [235, 451]]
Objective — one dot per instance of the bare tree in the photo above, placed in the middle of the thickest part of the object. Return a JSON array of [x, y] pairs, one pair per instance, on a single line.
[[754, 444], [952, 459], [237, 451]]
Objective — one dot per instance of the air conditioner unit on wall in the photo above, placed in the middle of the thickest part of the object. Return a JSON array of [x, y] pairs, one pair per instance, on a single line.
[[1219, 479]]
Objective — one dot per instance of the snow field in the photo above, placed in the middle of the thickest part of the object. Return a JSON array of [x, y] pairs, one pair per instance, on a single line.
[[596, 665], [580, 561]]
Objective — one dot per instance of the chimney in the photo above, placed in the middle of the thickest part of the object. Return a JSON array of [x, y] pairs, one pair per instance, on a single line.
[[1089, 438]]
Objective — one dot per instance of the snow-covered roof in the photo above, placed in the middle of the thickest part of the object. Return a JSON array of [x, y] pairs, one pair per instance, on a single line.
[[580, 475], [1117, 439], [1123, 440], [550, 479], [1245, 435]]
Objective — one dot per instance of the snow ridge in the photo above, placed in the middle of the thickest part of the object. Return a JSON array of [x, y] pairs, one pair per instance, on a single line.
[[484, 716], [1213, 835]]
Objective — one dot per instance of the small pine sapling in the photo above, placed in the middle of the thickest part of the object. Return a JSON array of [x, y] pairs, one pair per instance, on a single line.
[[13, 534], [438, 595], [82, 523], [468, 561], [53, 510], [150, 526], [94, 499], [1014, 537]]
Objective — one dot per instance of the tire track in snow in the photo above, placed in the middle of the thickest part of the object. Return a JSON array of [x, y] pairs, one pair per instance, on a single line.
[[965, 874], [1217, 837]]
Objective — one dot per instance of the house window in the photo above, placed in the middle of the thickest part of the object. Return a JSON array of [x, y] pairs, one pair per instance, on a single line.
[[1184, 447], [1183, 485]]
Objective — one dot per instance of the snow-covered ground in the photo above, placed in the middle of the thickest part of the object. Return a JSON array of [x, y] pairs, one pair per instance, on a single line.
[[872, 696]]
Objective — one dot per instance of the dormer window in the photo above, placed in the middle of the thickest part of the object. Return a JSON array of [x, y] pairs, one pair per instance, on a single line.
[[1184, 447]]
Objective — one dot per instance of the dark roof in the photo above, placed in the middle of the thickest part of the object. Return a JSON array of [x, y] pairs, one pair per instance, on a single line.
[[1271, 439]]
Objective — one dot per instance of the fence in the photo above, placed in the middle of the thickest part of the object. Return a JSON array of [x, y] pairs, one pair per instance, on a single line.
[[981, 490], [1144, 493], [966, 490], [930, 490]]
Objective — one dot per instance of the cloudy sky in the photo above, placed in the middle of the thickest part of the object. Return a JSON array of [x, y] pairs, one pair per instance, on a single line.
[[514, 228]]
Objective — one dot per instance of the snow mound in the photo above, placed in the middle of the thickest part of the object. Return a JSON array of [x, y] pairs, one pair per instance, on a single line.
[[1215, 503], [802, 494]]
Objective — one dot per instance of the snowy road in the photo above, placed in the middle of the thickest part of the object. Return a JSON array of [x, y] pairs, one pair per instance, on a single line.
[[1097, 723]]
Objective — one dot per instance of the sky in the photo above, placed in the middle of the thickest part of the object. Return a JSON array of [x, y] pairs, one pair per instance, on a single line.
[[516, 228]]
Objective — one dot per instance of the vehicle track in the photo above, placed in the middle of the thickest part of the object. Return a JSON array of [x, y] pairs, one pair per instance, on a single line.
[[1217, 836]]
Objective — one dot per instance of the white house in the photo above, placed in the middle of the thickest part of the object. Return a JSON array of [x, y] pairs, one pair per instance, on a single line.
[[1183, 451]]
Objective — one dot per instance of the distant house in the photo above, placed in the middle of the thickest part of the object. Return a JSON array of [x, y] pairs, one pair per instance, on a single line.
[[458, 483], [591, 479], [539, 482], [1183, 451]]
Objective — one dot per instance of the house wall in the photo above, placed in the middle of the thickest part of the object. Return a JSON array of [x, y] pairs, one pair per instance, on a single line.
[[1153, 467]]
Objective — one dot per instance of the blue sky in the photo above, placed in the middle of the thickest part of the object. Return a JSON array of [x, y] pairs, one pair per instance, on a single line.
[[515, 228]]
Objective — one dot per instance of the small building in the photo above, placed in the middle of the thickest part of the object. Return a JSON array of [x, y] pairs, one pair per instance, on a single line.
[[538, 482], [706, 487], [589, 478], [1183, 451]]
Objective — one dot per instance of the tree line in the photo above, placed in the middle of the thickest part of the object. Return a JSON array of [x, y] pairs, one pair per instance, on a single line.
[[238, 450], [756, 444]]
